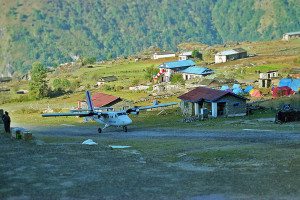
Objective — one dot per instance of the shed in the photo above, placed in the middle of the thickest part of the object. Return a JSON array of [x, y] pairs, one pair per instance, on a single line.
[[221, 103], [288, 36], [268, 74], [5, 79], [185, 55], [159, 55], [102, 100], [232, 54], [194, 71], [106, 79]]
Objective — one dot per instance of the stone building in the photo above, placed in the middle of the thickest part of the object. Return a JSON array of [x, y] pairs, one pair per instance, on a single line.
[[217, 102]]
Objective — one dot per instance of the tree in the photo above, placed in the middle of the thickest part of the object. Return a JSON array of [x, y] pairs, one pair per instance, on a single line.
[[196, 54], [38, 85], [150, 72], [61, 85], [88, 60]]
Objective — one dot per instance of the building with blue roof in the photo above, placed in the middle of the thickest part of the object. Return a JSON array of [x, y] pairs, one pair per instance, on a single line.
[[232, 54], [187, 68], [288, 36], [194, 71], [180, 64]]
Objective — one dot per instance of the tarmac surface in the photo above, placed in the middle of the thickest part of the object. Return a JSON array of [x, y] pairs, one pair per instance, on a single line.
[[70, 170]]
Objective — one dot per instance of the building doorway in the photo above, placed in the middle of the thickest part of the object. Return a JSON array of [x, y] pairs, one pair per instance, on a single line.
[[221, 108]]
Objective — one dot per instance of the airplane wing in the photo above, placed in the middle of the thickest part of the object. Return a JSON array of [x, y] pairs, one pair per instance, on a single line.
[[158, 105], [136, 110], [79, 114]]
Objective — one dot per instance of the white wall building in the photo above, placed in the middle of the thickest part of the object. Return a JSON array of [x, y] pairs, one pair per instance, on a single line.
[[160, 55]]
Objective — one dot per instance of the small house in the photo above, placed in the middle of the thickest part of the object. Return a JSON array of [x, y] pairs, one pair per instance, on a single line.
[[269, 74], [159, 55], [101, 100], [169, 68], [185, 55], [106, 79], [288, 36], [265, 79], [232, 54], [5, 79], [187, 68], [195, 72], [219, 103]]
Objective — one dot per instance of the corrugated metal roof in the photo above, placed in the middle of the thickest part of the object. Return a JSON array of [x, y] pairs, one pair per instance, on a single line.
[[163, 53], [101, 99], [188, 53], [240, 50], [292, 33], [177, 64], [197, 70], [227, 52], [206, 94], [231, 52]]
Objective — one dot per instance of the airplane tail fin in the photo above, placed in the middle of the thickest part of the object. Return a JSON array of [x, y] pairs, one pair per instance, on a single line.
[[89, 101]]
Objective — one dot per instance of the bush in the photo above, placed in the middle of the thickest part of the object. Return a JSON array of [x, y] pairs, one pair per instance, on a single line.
[[196, 54], [108, 87], [177, 79], [150, 72], [88, 61]]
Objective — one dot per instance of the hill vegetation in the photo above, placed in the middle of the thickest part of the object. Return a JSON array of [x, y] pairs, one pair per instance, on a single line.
[[55, 31]]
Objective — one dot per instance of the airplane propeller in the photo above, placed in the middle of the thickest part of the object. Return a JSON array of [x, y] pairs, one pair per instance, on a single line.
[[133, 111]]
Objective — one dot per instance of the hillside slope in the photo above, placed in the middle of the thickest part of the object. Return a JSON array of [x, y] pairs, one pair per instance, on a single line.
[[53, 31]]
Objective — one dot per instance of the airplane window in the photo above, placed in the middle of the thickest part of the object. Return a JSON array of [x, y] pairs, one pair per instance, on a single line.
[[120, 114]]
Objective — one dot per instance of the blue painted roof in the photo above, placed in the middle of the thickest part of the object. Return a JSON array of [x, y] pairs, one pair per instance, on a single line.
[[292, 33], [177, 64], [197, 70]]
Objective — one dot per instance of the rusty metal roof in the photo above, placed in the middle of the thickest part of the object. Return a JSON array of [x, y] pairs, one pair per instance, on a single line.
[[206, 94], [101, 99]]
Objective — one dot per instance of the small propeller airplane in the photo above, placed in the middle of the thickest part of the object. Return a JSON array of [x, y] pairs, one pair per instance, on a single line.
[[108, 118]]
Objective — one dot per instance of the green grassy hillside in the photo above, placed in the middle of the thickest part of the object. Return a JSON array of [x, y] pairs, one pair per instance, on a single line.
[[54, 31]]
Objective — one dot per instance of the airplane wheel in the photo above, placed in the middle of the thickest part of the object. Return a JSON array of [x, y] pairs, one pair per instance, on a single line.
[[99, 130], [125, 128]]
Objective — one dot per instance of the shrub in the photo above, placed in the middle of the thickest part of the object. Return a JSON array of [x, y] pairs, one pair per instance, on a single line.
[[177, 79], [150, 72]]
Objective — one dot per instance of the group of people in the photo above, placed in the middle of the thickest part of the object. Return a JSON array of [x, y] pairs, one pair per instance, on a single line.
[[6, 120]]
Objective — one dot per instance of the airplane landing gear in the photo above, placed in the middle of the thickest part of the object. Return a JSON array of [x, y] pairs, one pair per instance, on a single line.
[[125, 128], [99, 130]]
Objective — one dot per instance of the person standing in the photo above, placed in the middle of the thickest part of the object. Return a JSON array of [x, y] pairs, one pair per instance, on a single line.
[[6, 120]]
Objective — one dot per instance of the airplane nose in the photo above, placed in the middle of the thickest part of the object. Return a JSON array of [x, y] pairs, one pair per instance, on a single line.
[[127, 121]]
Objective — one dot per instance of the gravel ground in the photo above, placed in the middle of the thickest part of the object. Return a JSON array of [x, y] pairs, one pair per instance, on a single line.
[[69, 170]]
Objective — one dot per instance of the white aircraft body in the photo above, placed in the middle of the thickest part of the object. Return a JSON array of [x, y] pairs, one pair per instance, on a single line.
[[108, 118]]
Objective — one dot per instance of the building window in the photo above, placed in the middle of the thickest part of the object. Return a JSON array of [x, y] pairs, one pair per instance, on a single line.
[[236, 104]]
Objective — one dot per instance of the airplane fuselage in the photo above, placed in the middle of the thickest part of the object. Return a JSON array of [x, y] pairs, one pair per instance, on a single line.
[[113, 119]]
